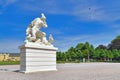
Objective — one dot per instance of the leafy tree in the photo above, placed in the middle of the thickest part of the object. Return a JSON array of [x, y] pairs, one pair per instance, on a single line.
[[87, 51], [79, 55], [101, 47], [110, 55], [103, 55], [96, 55], [70, 54], [115, 44], [116, 54], [61, 56]]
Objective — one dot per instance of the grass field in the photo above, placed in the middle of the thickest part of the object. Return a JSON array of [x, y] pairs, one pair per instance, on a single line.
[[9, 62]]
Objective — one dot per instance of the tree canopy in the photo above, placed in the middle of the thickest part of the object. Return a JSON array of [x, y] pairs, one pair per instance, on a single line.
[[86, 52], [115, 44]]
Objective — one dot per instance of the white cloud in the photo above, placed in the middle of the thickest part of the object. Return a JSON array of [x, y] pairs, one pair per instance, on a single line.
[[65, 43], [81, 9], [6, 3]]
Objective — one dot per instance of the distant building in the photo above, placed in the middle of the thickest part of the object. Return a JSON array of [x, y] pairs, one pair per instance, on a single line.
[[9, 57], [4, 57]]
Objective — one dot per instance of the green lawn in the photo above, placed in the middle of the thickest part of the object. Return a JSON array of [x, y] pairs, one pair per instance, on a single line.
[[9, 62]]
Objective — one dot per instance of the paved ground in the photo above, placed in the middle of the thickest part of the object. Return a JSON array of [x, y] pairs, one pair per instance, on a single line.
[[82, 71]]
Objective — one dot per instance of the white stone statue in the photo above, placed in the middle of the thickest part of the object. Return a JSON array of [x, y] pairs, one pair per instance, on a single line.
[[33, 33]]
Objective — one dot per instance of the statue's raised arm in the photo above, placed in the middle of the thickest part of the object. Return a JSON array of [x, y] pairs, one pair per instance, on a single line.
[[35, 35]]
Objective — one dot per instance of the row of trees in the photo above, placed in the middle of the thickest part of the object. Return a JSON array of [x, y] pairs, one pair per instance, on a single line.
[[86, 52]]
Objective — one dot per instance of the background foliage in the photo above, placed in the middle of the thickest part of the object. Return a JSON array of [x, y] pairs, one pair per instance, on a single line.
[[85, 52]]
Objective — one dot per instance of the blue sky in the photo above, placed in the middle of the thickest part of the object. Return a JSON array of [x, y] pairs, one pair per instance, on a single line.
[[69, 21]]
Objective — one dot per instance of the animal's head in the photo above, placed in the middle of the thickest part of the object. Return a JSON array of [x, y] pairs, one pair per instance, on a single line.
[[43, 18]]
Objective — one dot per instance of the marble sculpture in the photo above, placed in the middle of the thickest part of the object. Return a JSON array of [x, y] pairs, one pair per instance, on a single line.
[[35, 35]]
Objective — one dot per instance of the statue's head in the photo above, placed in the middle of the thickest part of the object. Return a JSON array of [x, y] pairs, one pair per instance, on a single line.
[[43, 18]]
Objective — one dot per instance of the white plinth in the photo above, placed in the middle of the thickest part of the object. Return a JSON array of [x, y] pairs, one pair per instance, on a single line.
[[36, 58]]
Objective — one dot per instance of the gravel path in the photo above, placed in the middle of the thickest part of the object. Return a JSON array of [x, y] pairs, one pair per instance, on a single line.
[[82, 71]]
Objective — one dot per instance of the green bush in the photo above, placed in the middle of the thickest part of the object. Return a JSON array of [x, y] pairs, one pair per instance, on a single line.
[[9, 62]]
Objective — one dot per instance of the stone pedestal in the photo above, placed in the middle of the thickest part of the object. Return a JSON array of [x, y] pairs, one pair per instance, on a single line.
[[36, 58]]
